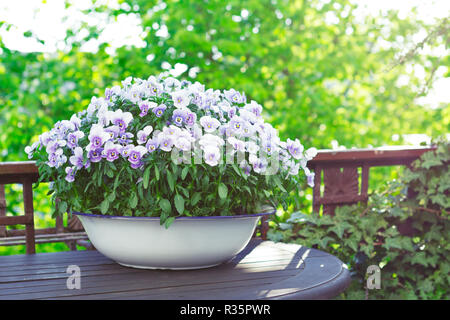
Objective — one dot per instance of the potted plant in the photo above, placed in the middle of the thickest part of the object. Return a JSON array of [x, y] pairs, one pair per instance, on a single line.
[[166, 174]]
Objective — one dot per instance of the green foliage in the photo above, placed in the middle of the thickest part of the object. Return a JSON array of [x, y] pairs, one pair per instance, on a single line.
[[319, 81], [404, 229]]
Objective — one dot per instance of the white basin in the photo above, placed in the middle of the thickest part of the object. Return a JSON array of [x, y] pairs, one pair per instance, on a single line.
[[189, 242]]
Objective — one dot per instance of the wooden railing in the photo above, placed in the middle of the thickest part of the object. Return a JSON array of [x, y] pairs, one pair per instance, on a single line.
[[26, 173], [343, 175]]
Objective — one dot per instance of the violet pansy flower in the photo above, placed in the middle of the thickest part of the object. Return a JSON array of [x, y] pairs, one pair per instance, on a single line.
[[179, 116], [209, 124], [181, 99], [120, 119], [152, 145], [125, 152], [142, 135], [111, 151], [159, 110], [125, 138], [77, 158], [113, 131], [294, 148], [97, 137], [70, 177], [136, 155], [95, 155], [144, 106], [73, 137]]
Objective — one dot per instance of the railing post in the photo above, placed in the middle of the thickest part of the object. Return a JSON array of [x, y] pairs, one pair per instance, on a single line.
[[29, 213], [2, 209], [316, 189]]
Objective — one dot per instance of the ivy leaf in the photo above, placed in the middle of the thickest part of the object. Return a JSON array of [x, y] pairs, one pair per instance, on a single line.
[[179, 203], [223, 190]]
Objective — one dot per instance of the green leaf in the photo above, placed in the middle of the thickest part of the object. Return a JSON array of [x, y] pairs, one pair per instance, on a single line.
[[133, 200], [170, 180], [157, 173], [223, 190], [62, 207], [196, 198], [104, 206], [165, 205], [146, 177], [169, 222], [112, 197], [179, 203], [279, 184], [184, 173]]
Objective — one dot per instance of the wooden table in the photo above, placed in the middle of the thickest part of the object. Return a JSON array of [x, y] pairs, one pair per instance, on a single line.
[[264, 270]]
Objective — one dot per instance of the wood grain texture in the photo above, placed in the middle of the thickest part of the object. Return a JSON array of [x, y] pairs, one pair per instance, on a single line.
[[263, 270]]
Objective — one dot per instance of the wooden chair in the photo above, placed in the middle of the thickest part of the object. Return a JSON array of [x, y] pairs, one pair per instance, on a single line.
[[26, 173]]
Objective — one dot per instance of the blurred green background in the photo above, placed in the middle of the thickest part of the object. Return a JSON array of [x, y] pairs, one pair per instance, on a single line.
[[335, 74]]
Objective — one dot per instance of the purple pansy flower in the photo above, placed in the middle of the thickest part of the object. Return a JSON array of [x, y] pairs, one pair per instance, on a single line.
[[179, 116], [75, 121], [120, 119], [125, 138], [294, 148], [259, 165], [181, 99], [29, 150], [77, 158], [152, 145], [108, 93], [144, 106], [125, 152], [73, 137], [70, 177], [97, 137], [143, 134], [237, 124], [232, 112], [245, 167], [56, 159], [159, 110], [212, 155], [165, 142], [136, 155], [191, 118], [154, 88], [254, 107], [113, 131], [234, 96], [209, 124], [111, 151], [95, 155]]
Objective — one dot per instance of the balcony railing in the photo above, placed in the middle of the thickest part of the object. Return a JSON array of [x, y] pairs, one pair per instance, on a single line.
[[343, 176]]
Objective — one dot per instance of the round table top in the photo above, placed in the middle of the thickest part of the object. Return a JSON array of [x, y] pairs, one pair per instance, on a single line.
[[263, 270]]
